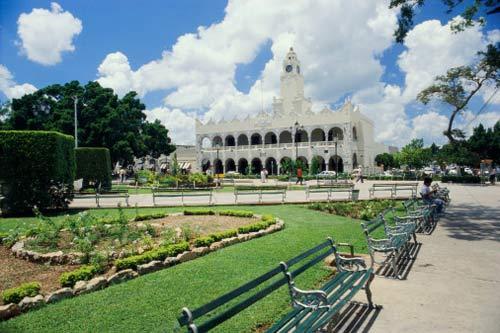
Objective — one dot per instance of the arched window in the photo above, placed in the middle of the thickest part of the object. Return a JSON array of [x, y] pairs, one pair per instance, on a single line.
[[256, 139], [301, 136], [335, 132], [230, 165], [230, 141], [285, 137], [217, 141], [243, 166], [242, 140], [354, 133], [270, 138], [317, 135]]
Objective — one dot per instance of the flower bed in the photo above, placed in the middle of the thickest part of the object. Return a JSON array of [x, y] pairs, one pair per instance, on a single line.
[[102, 271], [364, 210]]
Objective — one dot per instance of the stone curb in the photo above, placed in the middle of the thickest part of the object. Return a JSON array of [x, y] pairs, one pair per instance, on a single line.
[[100, 282]]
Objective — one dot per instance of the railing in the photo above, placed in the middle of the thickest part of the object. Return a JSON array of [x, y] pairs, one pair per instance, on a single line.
[[340, 144]]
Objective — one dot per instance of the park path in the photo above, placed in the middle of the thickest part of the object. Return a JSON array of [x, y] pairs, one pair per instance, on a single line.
[[453, 285]]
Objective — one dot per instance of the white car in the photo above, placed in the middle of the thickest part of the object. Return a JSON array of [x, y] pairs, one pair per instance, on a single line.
[[326, 174], [428, 171], [468, 171], [453, 172]]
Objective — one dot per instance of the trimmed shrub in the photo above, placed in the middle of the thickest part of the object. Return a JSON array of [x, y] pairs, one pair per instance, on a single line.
[[15, 295], [157, 254], [37, 168], [468, 179], [255, 227], [93, 164], [145, 217], [68, 279], [199, 212], [203, 241], [224, 234], [267, 218], [237, 213]]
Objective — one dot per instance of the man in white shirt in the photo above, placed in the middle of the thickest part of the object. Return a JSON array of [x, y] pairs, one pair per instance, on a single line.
[[428, 195]]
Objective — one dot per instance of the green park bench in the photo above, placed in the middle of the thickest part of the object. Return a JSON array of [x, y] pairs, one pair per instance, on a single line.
[[330, 190], [392, 246], [311, 309], [259, 191], [401, 187], [183, 193], [381, 188]]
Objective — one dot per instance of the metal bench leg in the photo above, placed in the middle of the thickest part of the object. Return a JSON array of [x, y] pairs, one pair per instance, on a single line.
[[97, 200], [368, 291], [394, 263]]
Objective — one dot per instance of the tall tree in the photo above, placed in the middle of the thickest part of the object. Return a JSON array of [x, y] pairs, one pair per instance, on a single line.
[[472, 14], [387, 160], [414, 154], [104, 120], [460, 84]]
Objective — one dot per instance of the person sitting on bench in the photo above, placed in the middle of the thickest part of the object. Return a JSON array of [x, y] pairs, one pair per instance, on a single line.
[[428, 195]]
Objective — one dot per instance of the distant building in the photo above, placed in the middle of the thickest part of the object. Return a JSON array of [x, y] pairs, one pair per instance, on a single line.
[[186, 158], [393, 149], [340, 140]]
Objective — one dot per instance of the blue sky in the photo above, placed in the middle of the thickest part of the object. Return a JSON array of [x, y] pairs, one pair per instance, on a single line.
[[132, 41]]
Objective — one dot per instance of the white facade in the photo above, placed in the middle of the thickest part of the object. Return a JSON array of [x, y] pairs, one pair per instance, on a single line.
[[292, 131]]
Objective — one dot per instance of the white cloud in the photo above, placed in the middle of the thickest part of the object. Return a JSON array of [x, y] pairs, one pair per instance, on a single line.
[[338, 42], [46, 34], [432, 48], [199, 70], [9, 87], [181, 126]]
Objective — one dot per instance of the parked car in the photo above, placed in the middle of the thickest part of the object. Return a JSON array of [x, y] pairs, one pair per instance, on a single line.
[[428, 171], [468, 171], [326, 174]]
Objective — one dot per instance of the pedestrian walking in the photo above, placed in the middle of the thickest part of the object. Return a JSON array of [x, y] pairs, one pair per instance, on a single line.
[[360, 175], [299, 176]]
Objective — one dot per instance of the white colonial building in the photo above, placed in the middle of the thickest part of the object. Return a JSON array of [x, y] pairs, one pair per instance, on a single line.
[[340, 140]]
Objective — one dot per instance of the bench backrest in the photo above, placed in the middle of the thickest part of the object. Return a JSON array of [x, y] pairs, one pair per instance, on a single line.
[[383, 185], [372, 225], [252, 290]]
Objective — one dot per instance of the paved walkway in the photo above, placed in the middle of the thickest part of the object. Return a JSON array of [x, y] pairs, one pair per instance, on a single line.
[[227, 198], [454, 283]]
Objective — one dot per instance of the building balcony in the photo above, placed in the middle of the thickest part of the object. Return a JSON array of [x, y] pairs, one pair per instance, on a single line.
[[273, 146]]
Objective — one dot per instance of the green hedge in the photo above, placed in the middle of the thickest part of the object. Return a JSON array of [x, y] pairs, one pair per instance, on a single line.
[[37, 168], [156, 254], [461, 179], [256, 226], [215, 237], [237, 213], [144, 217], [68, 279], [15, 295], [93, 165]]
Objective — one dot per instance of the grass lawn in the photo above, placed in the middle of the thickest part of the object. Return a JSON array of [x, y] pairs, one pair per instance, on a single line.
[[152, 302]]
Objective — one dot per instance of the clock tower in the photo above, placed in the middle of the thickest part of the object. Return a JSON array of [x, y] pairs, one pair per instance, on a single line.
[[292, 101]]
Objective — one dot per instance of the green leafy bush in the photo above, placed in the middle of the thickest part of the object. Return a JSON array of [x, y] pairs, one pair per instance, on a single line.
[[199, 212], [15, 295], [365, 210], [145, 217], [37, 168], [203, 241], [2, 236], [468, 179], [267, 218], [224, 234], [157, 254], [93, 165], [237, 213], [68, 279], [255, 226]]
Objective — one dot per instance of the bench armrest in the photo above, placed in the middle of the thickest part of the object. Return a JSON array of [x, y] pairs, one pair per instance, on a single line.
[[349, 264], [311, 299]]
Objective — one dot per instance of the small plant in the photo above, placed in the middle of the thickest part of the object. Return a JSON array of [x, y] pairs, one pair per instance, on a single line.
[[85, 246], [15, 295], [203, 241], [68, 279], [188, 233], [99, 261], [11, 238], [169, 236]]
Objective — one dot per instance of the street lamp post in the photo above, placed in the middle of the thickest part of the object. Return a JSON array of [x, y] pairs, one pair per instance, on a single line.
[[217, 148], [75, 101], [295, 129], [335, 140]]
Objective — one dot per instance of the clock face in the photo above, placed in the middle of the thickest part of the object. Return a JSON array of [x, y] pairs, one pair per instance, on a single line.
[[288, 68]]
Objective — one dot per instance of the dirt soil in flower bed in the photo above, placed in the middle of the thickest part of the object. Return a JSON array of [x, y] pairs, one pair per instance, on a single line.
[[14, 271], [205, 224]]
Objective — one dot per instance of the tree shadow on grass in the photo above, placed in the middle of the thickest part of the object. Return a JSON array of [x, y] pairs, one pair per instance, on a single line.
[[472, 222]]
